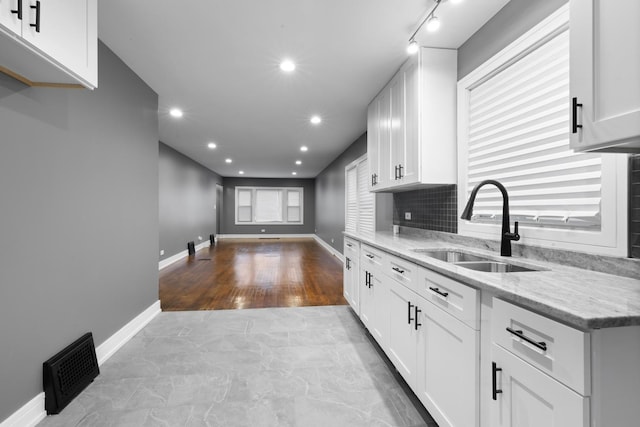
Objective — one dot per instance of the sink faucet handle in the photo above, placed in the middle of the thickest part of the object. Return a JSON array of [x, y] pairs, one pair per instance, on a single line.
[[514, 236]]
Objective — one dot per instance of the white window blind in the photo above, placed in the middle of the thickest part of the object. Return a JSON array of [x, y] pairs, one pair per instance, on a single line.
[[244, 206], [268, 205], [366, 201], [518, 134], [293, 206], [351, 200]]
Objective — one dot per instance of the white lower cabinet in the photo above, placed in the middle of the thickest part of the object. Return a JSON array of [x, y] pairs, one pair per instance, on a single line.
[[373, 304], [404, 329], [524, 396], [448, 372], [351, 271]]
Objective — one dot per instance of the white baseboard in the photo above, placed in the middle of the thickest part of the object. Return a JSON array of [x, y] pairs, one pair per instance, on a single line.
[[328, 247], [33, 411], [112, 344], [264, 236], [180, 255], [29, 415]]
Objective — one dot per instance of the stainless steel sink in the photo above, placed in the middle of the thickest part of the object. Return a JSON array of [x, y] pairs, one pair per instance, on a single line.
[[450, 255], [473, 262], [494, 267]]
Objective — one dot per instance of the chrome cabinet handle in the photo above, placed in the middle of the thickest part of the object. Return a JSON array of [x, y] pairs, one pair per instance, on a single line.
[[416, 311], [37, 24], [574, 119], [409, 307], [538, 344]]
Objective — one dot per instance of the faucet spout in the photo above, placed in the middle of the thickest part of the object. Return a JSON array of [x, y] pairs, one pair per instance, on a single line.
[[506, 235]]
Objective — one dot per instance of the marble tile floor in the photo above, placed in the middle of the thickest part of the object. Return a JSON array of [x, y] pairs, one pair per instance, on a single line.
[[303, 366]]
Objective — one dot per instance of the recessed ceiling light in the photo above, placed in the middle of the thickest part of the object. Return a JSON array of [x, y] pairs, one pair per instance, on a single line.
[[298, 162], [212, 145], [294, 173], [287, 66], [241, 172], [176, 112], [228, 160], [315, 120], [304, 148]]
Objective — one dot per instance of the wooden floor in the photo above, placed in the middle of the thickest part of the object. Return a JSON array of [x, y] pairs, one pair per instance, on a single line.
[[254, 273]]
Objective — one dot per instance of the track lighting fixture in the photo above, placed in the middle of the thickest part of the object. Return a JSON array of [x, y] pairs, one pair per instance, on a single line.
[[433, 23]]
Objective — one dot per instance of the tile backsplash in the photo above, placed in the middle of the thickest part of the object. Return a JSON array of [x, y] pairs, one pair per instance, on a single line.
[[431, 208], [634, 206]]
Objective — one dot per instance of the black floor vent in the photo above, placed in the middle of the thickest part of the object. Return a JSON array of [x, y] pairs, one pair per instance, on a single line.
[[67, 373]]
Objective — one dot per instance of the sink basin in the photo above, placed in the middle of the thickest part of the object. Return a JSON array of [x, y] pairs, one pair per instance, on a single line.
[[494, 267], [449, 255]]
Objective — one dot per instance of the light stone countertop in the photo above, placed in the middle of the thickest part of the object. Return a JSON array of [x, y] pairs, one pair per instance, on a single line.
[[582, 298]]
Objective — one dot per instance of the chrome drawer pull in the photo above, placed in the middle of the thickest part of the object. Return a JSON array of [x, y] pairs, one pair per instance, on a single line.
[[369, 256], [439, 292], [539, 344], [398, 270]]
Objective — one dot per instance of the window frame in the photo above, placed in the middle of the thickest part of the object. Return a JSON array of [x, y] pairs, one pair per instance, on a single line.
[[284, 205], [610, 239]]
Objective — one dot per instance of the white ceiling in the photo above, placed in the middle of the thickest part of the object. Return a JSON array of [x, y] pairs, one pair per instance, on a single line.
[[219, 62]]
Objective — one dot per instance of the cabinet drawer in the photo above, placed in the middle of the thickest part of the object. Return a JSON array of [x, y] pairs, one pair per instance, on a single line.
[[351, 248], [457, 299], [557, 349], [371, 258], [402, 271]]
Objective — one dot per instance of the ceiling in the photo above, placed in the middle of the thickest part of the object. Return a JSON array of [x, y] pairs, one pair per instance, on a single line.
[[218, 61]]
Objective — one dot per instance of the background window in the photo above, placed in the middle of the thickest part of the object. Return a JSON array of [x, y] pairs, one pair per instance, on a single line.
[[269, 205]]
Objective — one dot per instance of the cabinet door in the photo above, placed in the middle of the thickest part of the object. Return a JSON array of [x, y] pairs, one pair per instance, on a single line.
[[67, 31], [396, 95], [351, 290], [384, 139], [9, 21], [528, 397], [411, 148], [366, 299], [372, 143], [380, 320], [448, 368], [402, 331], [605, 65]]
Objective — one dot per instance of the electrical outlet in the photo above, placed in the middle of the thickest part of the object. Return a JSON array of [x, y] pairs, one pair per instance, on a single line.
[[332, 240], [161, 252], [263, 230], [407, 216], [199, 237]]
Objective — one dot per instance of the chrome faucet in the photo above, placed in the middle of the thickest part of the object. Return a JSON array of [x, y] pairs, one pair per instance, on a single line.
[[507, 235]]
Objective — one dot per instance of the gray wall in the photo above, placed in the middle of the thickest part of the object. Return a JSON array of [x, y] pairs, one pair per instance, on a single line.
[[229, 203], [513, 20], [79, 218], [330, 195], [187, 201]]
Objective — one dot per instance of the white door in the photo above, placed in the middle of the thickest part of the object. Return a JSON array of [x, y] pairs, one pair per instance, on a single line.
[[403, 307], [448, 363], [524, 396], [605, 70], [11, 15]]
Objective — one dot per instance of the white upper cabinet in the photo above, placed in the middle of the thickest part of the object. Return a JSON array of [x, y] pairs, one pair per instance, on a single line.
[[11, 13], [605, 70], [411, 124], [50, 42]]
